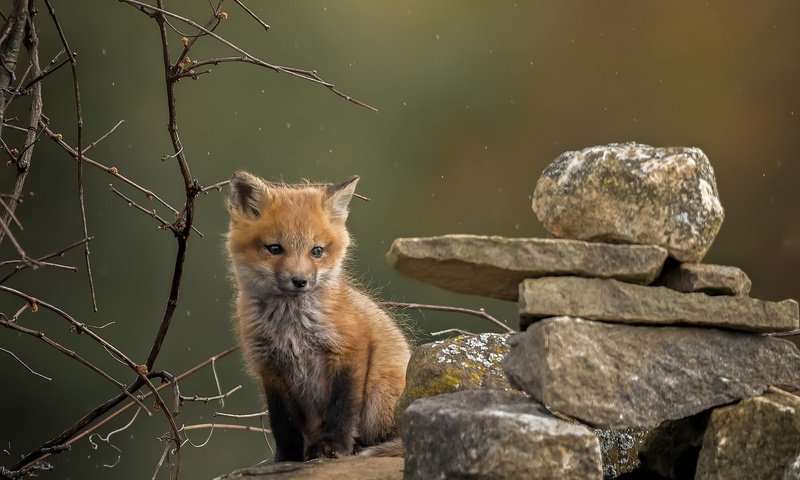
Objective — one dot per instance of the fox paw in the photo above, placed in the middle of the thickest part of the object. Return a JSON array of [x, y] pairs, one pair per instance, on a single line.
[[327, 449]]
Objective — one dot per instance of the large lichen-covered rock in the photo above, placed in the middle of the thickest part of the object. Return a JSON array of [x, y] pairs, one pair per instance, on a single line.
[[624, 376], [459, 363], [491, 434], [493, 266], [632, 193], [756, 438]]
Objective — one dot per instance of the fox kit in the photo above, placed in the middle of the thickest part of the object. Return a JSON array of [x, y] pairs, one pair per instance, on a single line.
[[331, 361]]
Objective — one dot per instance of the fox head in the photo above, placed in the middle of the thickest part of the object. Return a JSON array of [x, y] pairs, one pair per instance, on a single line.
[[287, 240]]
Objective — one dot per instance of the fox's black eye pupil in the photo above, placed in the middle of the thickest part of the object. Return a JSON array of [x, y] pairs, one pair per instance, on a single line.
[[316, 252], [274, 249]]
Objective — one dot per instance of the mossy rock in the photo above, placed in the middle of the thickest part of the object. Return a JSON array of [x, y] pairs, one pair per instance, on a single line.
[[460, 363]]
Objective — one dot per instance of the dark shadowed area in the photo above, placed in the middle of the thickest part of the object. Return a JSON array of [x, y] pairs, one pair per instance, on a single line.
[[474, 99]]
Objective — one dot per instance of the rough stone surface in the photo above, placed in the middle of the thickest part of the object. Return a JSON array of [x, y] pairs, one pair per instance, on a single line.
[[632, 193], [619, 302], [349, 468], [704, 278], [494, 266], [624, 376], [459, 363], [620, 450], [490, 434], [756, 438]]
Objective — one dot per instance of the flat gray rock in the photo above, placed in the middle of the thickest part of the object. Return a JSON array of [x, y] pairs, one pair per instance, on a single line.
[[490, 434], [620, 302], [624, 376], [632, 193], [756, 438], [705, 278], [493, 266]]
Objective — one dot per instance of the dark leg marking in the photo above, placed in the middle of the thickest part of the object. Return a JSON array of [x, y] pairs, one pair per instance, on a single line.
[[286, 428], [337, 439]]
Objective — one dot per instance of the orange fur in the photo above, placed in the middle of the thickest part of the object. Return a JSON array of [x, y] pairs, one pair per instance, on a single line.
[[303, 326]]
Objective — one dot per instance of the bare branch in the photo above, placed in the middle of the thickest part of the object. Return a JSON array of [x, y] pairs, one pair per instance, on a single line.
[[79, 430], [79, 114], [451, 330], [107, 439], [22, 22], [152, 213], [308, 75], [103, 137], [224, 426], [217, 186], [478, 313], [41, 336], [244, 415], [25, 364], [41, 264], [196, 398], [149, 194], [59, 253], [252, 14]]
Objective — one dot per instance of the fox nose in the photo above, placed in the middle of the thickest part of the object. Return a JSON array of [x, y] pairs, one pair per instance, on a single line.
[[299, 282]]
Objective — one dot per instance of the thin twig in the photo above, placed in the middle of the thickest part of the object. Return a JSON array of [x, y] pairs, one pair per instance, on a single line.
[[79, 114], [252, 14], [41, 264], [41, 336], [217, 186], [161, 461], [103, 137], [228, 426], [216, 382], [478, 313], [22, 256], [451, 330], [107, 439], [82, 429], [81, 328], [242, 415], [152, 213], [197, 398], [11, 212], [149, 194], [59, 253], [25, 364], [308, 75]]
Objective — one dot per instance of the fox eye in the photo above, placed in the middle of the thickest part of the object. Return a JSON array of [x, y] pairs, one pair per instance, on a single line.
[[316, 252], [274, 248]]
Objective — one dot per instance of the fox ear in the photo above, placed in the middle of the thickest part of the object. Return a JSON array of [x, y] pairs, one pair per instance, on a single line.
[[338, 197], [246, 193]]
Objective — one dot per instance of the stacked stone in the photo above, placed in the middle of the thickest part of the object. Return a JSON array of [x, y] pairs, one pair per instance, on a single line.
[[624, 328]]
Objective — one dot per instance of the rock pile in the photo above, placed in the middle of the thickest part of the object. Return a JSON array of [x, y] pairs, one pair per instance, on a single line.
[[616, 335]]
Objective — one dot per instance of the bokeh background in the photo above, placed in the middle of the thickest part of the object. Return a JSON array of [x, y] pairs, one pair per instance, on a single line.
[[475, 99]]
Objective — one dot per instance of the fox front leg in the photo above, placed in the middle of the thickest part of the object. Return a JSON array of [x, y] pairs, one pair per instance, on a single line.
[[337, 439]]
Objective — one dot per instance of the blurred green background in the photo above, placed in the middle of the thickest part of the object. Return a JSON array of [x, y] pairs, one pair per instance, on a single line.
[[475, 99]]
